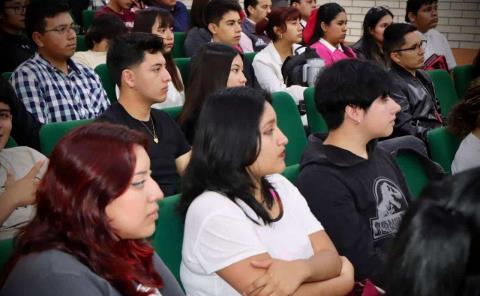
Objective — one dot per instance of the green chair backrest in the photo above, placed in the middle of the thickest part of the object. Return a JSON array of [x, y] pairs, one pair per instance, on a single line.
[[87, 18], [178, 50], [168, 237], [414, 172], [51, 133], [289, 121], [6, 250], [7, 75], [291, 172], [462, 76], [314, 118], [444, 89], [81, 46], [249, 56], [11, 143], [107, 82], [183, 65], [442, 145], [173, 112]]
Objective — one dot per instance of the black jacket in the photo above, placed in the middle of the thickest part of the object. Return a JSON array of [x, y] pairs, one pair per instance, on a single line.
[[360, 202], [415, 94]]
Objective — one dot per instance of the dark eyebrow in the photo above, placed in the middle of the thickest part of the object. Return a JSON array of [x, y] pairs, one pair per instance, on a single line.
[[141, 173], [5, 110]]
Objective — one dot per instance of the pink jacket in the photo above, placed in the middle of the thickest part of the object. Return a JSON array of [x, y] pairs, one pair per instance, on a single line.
[[332, 57]]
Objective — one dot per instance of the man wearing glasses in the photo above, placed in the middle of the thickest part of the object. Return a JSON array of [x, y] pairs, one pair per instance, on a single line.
[[15, 47], [412, 88], [52, 86]]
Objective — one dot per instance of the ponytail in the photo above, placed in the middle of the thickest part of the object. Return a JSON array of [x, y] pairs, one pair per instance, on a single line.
[[465, 116]]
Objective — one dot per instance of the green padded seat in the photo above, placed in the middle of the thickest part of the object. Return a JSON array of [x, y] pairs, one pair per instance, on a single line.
[[87, 18], [81, 46], [178, 50], [291, 172], [289, 121], [7, 75], [173, 112], [6, 249], [51, 133], [442, 145], [444, 89], [414, 172], [168, 237], [249, 56], [462, 76], [107, 82], [183, 65], [315, 120], [11, 143]]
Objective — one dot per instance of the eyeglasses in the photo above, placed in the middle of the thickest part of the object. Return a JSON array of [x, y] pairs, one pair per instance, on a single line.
[[64, 29], [17, 9], [416, 47]]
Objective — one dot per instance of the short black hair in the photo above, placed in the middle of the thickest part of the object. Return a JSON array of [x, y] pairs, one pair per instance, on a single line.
[[349, 82], [105, 26], [216, 9], [7, 94], [414, 5], [326, 13], [394, 36], [39, 10], [129, 50], [248, 3]]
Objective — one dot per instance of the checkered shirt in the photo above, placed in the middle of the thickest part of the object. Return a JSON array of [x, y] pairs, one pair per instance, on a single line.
[[52, 96], [97, 4]]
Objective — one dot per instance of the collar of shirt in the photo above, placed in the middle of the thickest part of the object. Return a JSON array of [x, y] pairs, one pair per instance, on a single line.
[[70, 63], [329, 46]]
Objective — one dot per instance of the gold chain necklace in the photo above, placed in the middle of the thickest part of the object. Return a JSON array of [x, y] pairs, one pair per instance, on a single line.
[[152, 131]]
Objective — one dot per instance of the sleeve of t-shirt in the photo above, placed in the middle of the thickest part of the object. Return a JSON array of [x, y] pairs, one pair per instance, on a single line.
[[225, 236], [181, 144]]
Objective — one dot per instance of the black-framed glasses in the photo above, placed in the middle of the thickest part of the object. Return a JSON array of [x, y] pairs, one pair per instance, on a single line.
[[416, 47], [17, 9], [64, 29]]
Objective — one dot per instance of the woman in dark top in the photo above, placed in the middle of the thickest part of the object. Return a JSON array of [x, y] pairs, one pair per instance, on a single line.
[[369, 47], [96, 204]]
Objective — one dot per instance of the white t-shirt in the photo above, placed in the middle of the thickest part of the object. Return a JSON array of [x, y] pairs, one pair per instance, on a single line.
[[468, 154], [437, 43], [90, 58], [19, 161], [218, 233]]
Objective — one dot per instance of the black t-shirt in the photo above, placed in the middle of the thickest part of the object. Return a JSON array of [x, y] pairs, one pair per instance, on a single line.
[[171, 144], [14, 50]]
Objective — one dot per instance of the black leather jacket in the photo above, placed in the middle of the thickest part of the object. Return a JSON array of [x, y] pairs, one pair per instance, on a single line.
[[416, 96]]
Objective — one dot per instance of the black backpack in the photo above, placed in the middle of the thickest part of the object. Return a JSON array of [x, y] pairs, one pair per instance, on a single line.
[[292, 68]]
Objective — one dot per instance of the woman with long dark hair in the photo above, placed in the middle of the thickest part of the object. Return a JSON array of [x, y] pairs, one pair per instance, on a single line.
[[96, 205], [214, 67], [248, 230], [160, 22], [370, 45]]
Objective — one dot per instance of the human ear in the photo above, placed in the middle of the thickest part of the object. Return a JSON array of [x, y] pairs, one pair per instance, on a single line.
[[38, 39], [128, 78], [354, 114]]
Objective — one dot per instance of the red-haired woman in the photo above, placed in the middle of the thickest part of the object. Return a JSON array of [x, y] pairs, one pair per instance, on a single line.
[[95, 206]]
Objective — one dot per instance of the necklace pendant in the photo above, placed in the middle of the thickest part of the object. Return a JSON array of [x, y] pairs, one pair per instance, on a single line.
[[155, 139]]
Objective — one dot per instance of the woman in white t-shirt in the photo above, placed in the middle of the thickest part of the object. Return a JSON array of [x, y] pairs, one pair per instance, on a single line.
[[248, 230]]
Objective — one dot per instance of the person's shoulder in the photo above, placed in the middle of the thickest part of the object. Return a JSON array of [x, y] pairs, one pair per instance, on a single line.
[[202, 206], [180, 5], [52, 262], [22, 152], [162, 117], [113, 114]]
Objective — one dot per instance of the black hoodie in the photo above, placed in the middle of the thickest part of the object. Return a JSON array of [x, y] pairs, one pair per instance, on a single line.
[[360, 202]]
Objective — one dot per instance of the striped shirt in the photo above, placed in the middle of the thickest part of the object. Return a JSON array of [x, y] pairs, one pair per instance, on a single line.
[[52, 96]]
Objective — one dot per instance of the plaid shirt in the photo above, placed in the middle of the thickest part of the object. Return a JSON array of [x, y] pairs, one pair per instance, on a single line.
[[96, 4], [52, 96]]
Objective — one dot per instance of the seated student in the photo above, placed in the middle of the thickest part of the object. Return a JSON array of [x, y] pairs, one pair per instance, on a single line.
[[464, 121], [257, 11], [353, 186], [159, 22], [370, 45], [198, 34], [283, 28], [15, 46], [423, 15], [412, 88], [305, 7], [88, 234], [248, 230], [177, 10], [436, 249], [52, 86], [121, 9], [104, 28], [136, 64], [19, 168], [328, 33], [228, 65]]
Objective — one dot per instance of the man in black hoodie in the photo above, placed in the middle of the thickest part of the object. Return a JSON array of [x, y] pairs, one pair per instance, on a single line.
[[352, 186]]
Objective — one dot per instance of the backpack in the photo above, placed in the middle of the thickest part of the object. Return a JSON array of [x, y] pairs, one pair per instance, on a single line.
[[292, 68]]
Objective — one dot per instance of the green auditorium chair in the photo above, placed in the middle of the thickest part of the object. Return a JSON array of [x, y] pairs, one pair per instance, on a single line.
[[6, 249], [291, 172], [315, 119], [415, 173], [51, 133], [173, 112], [462, 75], [444, 89], [178, 50], [87, 18], [7, 75], [442, 145], [11, 143], [168, 237], [81, 46], [289, 121], [107, 82], [249, 56], [183, 65]]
